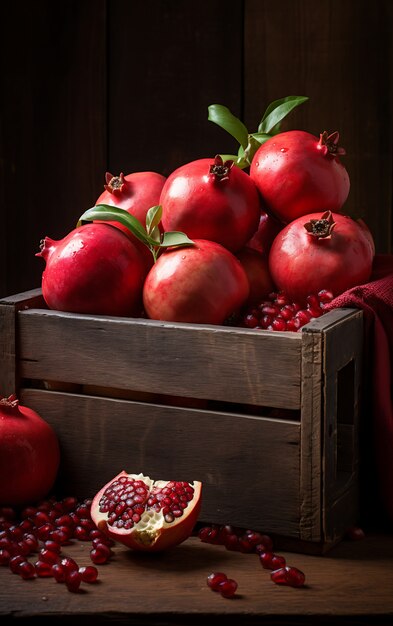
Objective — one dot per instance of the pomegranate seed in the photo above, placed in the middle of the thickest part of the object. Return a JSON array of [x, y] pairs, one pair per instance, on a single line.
[[269, 560], [73, 581], [69, 564], [26, 525], [100, 554], [355, 533], [43, 569], [23, 547], [14, 563], [325, 296], [290, 576], [232, 542], [4, 557], [227, 588], [81, 533], [215, 579], [287, 312], [59, 537], [245, 545], [103, 540], [83, 511], [41, 518], [16, 533], [48, 556], [26, 570], [303, 316], [53, 546], [265, 545], [64, 520], [88, 574], [44, 531], [58, 572], [69, 503], [279, 324], [250, 321]]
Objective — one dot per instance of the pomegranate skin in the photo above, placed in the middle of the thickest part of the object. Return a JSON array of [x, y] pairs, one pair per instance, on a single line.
[[302, 264], [154, 535], [196, 202], [203, 283], [29, 454], [95, 269], [296, 176]]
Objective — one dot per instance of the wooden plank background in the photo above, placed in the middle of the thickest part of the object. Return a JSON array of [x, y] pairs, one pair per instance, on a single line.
[[114, 85]]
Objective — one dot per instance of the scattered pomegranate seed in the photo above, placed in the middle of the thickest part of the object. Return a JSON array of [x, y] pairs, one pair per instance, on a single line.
[[58, 572], [88, 574], [43, 569], [73, 581], [26, 570], [14, 563], [355, 533], [228, 588], [290, 576], [269, 560], [215, 579], [4, 557], [100, 554]]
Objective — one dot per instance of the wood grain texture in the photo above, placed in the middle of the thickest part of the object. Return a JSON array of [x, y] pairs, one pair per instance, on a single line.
[[53, 113], [256, 458], [339, 54], [351, 586], [210, 362]]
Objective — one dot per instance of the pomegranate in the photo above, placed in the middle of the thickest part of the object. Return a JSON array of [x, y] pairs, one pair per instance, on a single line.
[[29, 454], [297, 173], [145, 514], [211, 199], [256, 266], [135, 193], [203, 283], [94, 269], [320, 251]]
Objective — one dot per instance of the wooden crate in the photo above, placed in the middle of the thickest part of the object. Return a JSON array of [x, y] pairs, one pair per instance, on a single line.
[[266, 420]]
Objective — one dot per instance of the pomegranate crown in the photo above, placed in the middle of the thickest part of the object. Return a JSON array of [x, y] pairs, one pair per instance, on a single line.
[[329, 144], [114, 184], [9, 403], [322, 227], [220, 169]]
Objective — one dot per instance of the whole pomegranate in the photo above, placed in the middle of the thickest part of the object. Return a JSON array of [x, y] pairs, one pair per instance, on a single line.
[[94, 269], [135, 193], [203, 283], [209, 199], [145, 514], [327, 251], [297, 173], [29, 454]]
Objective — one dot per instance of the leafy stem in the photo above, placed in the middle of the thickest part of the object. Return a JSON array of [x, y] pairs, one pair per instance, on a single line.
[[269, 126], [150, 235]]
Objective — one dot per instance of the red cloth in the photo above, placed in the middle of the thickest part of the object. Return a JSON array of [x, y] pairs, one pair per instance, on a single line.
[[375, 298]]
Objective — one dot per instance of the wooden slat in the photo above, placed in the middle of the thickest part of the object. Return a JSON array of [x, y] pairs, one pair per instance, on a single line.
[[311, 414], [8, 351], [249, 466], [191, 360]]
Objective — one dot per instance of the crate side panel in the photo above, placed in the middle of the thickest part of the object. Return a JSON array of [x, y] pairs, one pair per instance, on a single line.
[[256, 459], [342, 370], [217, 363]]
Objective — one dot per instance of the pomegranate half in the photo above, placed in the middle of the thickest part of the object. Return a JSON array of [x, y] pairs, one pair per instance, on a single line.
[[145, 514]]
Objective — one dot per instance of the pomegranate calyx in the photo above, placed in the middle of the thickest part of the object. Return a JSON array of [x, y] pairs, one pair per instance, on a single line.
[[321, 228], [11, 402], [220, 169], [114, 184], [329, 144]]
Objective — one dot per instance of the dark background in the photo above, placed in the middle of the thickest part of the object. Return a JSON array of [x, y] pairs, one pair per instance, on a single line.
[[122, 85]]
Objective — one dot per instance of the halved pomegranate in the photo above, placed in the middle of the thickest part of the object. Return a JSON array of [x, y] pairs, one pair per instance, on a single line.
[[145, 514]]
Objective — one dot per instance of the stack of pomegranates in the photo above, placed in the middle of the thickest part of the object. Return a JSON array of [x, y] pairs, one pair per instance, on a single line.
[[219, 236]]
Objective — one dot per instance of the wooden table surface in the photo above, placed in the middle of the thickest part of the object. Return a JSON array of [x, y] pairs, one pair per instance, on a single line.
[[352, 584]]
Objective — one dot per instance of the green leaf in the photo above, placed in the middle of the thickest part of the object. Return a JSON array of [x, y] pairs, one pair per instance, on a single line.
[[107, 213], [223, 117], [276, 111], [229, 157], [153, 218], [261, 137], [174, 238]]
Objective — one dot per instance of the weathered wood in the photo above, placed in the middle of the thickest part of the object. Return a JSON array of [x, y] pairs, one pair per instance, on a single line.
[[311, 414], [231, 454], [352, 586], [8, 353], [211, 362]]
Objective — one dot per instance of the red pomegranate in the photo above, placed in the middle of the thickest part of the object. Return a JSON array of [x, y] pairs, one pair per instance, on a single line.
[[136, 193], [29, 454], [209, 199], [297, 173], [203, 283], [320, 252], [94, 269], [267, 230], [145, 514]]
